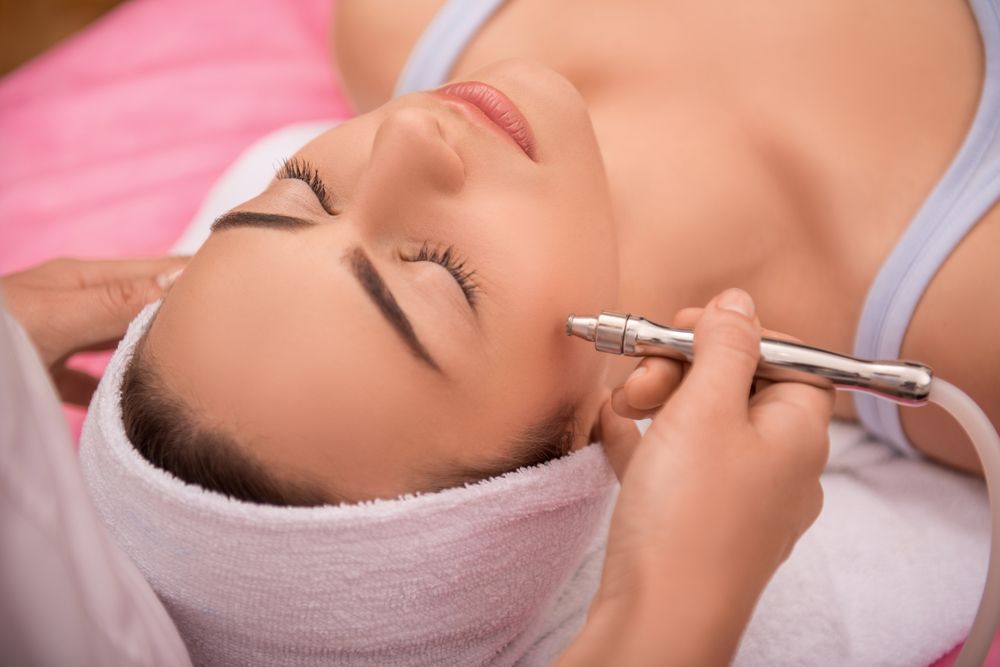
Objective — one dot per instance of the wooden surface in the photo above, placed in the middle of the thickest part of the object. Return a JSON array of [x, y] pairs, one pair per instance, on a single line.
[[28, 27]]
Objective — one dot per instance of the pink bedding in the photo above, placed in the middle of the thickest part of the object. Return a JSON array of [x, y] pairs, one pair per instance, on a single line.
[[110, 140]]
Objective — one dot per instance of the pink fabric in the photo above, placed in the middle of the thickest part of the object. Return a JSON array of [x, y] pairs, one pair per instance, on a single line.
[[992, 660], [111, 140]]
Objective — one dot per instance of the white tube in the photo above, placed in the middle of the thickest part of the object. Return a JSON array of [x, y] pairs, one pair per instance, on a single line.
[[987, 443]]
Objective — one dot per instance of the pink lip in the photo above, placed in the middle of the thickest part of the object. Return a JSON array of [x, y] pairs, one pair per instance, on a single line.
[[497, 108]]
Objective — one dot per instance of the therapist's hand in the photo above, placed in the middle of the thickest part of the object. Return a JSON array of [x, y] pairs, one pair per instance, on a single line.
[[69, 306], [714, 496]]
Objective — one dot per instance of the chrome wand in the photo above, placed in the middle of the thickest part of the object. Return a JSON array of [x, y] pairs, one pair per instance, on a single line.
[[904, 382]]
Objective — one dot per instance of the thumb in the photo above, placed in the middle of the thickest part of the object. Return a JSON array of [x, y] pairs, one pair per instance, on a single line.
[[727, 351], [619, 436]]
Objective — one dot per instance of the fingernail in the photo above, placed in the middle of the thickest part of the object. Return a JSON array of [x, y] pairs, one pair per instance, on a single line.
[[738, 301], [165, 280]]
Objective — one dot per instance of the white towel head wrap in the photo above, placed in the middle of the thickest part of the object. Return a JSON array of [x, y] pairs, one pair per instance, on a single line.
[[498, 572]]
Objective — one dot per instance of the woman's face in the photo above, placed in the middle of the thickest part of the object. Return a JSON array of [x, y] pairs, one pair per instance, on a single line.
[[340, 352]]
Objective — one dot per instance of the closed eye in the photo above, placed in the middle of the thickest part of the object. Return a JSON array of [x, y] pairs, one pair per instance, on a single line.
[[455, 265], [298, 169]]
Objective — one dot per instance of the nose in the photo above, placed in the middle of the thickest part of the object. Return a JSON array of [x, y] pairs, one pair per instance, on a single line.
[[410, 160]]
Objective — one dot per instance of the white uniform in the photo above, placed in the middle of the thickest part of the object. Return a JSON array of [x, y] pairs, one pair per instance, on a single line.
[[68, 596]]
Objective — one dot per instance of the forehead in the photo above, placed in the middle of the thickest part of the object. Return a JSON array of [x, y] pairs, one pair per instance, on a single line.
[[278, 345], [263, 311]]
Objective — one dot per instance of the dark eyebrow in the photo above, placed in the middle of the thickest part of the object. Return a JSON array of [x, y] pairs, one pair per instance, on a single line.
[[234, 219], [375, 287], [361, 267]]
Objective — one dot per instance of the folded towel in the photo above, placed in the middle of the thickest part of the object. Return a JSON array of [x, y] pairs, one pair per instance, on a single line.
[[499, 572], [891, 572]]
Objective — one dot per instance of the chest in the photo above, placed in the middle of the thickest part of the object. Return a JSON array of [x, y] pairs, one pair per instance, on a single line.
[[774, 146], [745, 143]]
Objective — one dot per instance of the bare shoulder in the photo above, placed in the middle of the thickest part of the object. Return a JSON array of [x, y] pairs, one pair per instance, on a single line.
[[370, 41], [956, 330]]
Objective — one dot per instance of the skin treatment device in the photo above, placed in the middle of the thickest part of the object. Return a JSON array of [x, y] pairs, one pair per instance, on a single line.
[[903, 382]]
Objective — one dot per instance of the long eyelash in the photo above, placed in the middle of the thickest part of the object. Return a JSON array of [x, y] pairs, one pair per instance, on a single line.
[[299, 169], [446, 257]]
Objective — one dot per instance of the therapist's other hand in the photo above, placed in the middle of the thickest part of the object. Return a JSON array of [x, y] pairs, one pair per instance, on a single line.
[[69, 306], [714, 495]]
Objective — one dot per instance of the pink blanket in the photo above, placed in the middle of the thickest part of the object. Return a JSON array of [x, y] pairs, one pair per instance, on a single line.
[[111, 140]]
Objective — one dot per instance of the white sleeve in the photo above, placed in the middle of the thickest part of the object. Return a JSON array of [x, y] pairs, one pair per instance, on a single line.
[[68, 596]]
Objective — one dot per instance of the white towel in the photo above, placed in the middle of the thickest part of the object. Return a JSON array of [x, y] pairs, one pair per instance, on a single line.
[[493, 573], [890, 574]]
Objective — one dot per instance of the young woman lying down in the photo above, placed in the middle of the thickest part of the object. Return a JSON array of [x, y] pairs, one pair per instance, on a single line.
[[404, 280]]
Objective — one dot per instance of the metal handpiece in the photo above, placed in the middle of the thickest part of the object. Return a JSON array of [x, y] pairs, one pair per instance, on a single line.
[[904, 382]]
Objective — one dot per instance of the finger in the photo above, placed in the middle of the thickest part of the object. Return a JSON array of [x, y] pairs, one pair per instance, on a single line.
[[98, 316], [727, 350], [759, 385], [814, 507], [100, 272], [686, 318], [619, 403], [799, 409], [620, 437], [652, 382], [807, 397], [107, 271], [654, 379], [74, 386], [777, 335], [83, 273]]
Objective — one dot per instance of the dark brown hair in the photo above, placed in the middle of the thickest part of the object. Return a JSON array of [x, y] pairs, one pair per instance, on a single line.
[[168, 435]]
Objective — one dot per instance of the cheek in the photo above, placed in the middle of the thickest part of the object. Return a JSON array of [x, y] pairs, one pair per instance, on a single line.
[[534, 348], [543, 259], [560, 256]]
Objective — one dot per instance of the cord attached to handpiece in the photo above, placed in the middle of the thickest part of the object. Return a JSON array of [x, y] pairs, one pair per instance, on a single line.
[[903, 382]]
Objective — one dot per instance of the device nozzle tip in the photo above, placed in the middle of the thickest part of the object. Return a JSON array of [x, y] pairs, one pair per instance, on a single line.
[[582, 327]]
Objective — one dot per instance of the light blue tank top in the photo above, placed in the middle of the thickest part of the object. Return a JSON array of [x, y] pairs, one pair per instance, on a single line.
[[966, 191]]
